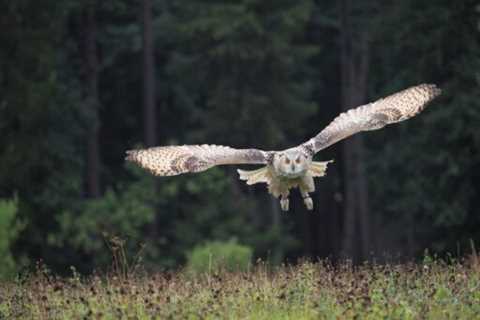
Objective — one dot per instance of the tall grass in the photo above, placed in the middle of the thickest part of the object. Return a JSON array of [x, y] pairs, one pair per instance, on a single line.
[[431, 290]]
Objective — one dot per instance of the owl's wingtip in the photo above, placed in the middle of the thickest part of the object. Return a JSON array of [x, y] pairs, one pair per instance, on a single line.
[[433, 88], [130, 155]]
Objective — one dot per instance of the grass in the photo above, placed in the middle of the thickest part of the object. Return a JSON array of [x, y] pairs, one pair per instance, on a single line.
[[432, 290]]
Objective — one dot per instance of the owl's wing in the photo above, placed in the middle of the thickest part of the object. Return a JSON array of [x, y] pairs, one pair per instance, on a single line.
[[174, 160], [375, 115]]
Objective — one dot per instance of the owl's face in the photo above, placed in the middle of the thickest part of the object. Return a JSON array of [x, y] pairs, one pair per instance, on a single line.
[[291, 163]]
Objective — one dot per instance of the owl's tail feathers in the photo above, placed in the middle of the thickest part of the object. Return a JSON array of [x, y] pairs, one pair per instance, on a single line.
[[319, 169], [261, 175]]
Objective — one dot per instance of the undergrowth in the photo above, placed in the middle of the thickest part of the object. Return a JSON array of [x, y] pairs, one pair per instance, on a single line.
[[433, 289]]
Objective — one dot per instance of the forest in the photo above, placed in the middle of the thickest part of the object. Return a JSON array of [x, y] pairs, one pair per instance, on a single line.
[[81, 82]]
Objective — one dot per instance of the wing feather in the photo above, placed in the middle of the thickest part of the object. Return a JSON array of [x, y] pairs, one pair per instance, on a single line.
[[394, 108], [174, 160]]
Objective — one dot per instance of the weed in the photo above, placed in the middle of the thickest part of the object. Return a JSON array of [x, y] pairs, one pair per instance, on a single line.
[[305, 291]]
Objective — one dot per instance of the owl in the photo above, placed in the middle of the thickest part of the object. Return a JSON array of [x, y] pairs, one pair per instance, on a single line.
[[294, 167]]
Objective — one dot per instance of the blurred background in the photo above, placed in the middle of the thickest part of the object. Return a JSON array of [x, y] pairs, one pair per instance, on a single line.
[[83, 81]]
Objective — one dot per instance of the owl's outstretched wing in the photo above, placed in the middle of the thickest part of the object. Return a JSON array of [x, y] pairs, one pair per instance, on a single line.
[[174, 160], [375, 115]]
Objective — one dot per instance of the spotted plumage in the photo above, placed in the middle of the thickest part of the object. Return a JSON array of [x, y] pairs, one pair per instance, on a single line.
[[292, 167]]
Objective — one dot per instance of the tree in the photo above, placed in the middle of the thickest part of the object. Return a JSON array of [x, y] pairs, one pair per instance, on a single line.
[[354, 73], [92, 100], [9, 228], [433, 159], [243, 76], [42, 149], [149, 99], [243, 73]]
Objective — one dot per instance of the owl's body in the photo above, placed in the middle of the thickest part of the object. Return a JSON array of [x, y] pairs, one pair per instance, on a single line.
[[292, 167]]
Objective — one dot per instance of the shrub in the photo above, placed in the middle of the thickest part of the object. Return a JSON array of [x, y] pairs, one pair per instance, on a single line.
[[9, 229], [217, 255], [121, 212]]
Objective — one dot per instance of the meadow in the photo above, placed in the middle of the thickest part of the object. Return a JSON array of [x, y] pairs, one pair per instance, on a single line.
[[433, 289]]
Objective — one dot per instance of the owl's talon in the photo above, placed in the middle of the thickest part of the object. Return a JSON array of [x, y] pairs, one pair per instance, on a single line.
[[284, 204], [308, 203]]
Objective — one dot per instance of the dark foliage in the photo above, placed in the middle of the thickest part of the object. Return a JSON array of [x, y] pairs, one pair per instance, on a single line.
[[242, 73]]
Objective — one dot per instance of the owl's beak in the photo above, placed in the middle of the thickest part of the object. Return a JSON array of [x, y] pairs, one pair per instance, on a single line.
[[293, 167]]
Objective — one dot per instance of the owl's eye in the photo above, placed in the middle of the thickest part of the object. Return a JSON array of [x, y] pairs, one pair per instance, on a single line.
[[297, 160], [287, 161]]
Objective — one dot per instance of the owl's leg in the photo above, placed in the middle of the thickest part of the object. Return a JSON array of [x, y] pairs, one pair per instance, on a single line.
[[284, 201], [306, 186], [307, 200]]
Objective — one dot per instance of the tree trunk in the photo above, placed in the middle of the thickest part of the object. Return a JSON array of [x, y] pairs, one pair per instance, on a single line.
[[149, 97], [92, 102], [277, 253], [149, 110], [354, 71], [327, 225]]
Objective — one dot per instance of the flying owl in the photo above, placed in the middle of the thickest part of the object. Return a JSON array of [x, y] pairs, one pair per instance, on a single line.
[[292, 167]]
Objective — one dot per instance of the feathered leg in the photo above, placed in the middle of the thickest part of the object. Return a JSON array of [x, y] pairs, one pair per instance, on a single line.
[[284, 202], [306, 186], [307, 200]]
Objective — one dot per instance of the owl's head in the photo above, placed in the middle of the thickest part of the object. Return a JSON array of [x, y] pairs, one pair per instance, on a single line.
[[291, 163]]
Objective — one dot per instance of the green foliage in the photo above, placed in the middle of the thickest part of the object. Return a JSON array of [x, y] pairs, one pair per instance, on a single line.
[[243, 73], [166, 218], [41, 121], [123, 212], [214, 256], [194, 208], [433, 159], [259, 56], [9, 230]]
